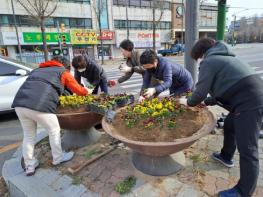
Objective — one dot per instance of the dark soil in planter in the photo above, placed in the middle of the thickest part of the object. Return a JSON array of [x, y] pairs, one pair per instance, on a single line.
[[187, 124], [66, 110]]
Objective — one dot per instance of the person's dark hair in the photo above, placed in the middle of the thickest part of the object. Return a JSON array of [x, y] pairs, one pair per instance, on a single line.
[[201, 47], [148, 57], [76, 60], [62, 60], [127, 45]]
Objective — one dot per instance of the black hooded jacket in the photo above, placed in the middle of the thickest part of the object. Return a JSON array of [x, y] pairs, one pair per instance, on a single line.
[[229, 80], [94, 73]]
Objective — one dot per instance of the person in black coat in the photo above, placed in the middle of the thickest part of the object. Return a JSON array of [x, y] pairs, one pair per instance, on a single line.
[[235, 86], [87, 68]]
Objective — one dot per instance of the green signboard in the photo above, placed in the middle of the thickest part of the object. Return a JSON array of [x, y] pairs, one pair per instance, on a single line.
[[36, 37]]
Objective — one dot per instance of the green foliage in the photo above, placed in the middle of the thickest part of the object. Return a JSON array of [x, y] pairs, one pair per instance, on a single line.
[[76, 180], [125, 186]]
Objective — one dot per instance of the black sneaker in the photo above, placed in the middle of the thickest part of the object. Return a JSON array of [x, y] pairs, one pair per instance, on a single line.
[[217, 156], [233, 192]]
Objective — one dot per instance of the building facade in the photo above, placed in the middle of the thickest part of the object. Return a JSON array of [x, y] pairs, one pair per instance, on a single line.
[[82, 29], [207, 20], [120, 19]]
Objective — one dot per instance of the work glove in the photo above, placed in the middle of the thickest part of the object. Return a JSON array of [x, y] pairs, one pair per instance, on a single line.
[[149, 92], [183, 101], [125, 69], [90, 90], [141, 98]]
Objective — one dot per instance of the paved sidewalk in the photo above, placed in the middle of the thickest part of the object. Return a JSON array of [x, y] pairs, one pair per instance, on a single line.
[[200, 177]]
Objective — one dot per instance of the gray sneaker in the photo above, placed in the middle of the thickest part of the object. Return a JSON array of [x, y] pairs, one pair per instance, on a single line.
[[65, 157], [31, 169]]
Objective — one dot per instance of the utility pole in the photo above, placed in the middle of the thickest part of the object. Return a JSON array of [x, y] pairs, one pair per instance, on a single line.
[[191, 35], [100, 10], [221, 20], [59, 37], [127, 20], [17, 36]]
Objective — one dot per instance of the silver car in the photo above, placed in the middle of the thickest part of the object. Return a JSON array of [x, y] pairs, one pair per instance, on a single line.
[[12, 76]]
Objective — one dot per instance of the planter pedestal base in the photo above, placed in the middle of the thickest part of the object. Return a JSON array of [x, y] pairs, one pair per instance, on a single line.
[[79, 138], [156, 166]]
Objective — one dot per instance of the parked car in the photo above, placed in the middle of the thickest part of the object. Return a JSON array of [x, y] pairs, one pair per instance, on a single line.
[[12, 76], [174, 50]]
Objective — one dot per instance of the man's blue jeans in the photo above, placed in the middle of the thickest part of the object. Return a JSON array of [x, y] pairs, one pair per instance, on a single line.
[[103, 87]]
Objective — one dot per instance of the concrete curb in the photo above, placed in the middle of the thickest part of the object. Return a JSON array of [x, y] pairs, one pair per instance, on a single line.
[[46, 182]]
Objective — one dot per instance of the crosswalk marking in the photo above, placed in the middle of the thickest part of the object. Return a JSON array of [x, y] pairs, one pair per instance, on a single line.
[[133, 85]]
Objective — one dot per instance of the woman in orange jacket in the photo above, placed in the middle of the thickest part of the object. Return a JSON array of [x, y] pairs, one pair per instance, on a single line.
[[36, 103]]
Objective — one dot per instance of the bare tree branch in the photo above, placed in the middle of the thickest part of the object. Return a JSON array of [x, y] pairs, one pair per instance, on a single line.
[[160, 6], [40, 10]]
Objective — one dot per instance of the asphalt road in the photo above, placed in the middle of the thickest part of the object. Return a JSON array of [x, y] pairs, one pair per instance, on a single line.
[[10, 129]]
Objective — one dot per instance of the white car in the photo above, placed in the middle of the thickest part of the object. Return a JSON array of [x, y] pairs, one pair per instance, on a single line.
[[12, 76]]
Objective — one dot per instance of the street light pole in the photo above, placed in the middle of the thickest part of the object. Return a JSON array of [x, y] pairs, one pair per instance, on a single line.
[[17, 37], [127, 21], [234, 25], [191, 35], [233, 33]]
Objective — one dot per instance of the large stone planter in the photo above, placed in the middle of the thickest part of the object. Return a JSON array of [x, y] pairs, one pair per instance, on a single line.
[[154, 157], [79, 130]]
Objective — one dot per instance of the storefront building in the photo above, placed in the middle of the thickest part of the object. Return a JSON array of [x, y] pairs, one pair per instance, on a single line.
[[120, 19], [207, 20]]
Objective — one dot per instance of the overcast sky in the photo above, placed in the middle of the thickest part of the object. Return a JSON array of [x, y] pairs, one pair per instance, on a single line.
[[242, 6]]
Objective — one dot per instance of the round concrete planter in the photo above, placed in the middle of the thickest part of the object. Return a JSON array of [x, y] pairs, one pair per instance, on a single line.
[[79, 130], [154, 157]]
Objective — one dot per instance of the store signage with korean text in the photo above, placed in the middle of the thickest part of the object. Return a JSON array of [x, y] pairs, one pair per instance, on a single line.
[[141, 39], [83, 36], [106, 35], [36, 37]]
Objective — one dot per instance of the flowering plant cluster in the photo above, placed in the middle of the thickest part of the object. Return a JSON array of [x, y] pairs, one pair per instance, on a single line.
[[75, 101], [95, 103], [154, 112]]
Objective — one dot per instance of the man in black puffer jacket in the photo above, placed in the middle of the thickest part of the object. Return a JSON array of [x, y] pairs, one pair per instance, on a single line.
[[236, 87], [87, 68]]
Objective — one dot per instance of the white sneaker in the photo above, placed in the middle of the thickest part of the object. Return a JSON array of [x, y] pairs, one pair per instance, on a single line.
[[31, 169], [65, 157]]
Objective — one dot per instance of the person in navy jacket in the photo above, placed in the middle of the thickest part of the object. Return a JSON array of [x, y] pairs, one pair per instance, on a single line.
[[173, 76]]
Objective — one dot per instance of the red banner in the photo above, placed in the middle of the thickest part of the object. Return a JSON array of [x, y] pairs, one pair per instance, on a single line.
[[106, 35]]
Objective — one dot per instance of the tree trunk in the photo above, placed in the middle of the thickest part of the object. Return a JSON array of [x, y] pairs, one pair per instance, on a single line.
[[101, 46], [154, 29], [42, 26]]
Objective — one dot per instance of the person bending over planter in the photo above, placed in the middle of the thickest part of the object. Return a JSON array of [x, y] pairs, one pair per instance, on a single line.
[[173, 76], [36, 102], [235, 86], [133, 64], [91, 71]]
